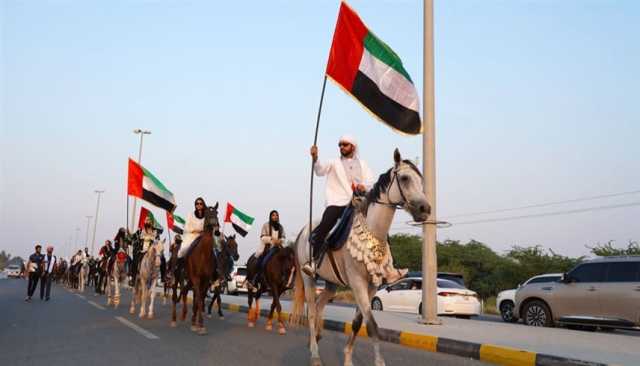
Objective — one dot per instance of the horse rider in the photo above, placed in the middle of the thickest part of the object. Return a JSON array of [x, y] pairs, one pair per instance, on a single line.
[[147, 236], [272, 236], [34, 270], [346, 175], [174, 248]]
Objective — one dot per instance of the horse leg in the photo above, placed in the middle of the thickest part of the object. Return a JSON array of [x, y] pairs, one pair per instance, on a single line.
[[269, 325], [219, 300], [281, 328], [251, 320], [321, 302], [194, 307], [174, 301], [310, 295], [183, 293], [152, 297], [203, 295], [363, 294], [210, 305], [116, 296], [143, 296]]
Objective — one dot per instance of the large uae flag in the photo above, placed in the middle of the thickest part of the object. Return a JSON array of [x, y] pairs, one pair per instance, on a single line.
[[143, 184], [370, 71], [240, 221]]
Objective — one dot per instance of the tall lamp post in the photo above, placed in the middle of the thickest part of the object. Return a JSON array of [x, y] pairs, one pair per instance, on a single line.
[[86, 240], [140, 132], [429, 256], [95, 221], [77, 233]]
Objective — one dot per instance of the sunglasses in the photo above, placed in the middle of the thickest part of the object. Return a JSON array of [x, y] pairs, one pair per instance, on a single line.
[[345, 144], [199, 204]]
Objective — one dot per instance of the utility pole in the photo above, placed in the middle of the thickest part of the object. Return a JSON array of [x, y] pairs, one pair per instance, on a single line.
[[86, 240]]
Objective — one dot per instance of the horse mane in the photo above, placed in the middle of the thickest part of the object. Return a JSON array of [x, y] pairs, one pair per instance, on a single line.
[[384, 180]]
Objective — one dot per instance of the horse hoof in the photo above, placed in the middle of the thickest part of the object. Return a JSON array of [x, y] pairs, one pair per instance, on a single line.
[[315, 361], [173, 324], [268, 328], [202, 331], [150, 316], [209, 316], [194, 328], [222, 318], [282, 331], [141, 315], [132, 311], [251, 325]]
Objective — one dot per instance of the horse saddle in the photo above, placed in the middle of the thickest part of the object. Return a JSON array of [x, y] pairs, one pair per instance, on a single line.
[[339, 234]]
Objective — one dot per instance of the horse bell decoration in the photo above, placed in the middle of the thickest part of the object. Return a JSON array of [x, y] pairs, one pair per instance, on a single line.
[[366, 248]]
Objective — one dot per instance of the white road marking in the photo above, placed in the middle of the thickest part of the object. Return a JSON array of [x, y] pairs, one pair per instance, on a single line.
[[96, 305], [138, 329], [81, 296]]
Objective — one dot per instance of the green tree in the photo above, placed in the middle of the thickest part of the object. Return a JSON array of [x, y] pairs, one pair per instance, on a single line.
[[607, 250], [4, 259]]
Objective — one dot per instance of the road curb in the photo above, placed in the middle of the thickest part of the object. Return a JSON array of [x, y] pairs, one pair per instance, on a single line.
[[495, 354]]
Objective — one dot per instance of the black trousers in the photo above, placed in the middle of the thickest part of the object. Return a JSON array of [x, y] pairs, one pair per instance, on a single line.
[[33, 283], [45, 285], [329, 219]]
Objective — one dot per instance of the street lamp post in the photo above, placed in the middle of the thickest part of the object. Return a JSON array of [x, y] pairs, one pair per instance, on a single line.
[[429, 259], [140, 132], [77, 233], [86, 240], [95, 221]]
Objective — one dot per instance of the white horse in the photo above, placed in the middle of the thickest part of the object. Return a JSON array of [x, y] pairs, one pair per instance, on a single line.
[[83, 274], [363, 260], [115, 276], [148, 274]]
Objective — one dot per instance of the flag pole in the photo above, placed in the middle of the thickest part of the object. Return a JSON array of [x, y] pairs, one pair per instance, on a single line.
[[168, 228], [429, 256], [315, 141]]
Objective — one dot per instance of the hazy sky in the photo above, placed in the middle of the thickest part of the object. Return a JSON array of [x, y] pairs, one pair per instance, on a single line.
[[536, 101]]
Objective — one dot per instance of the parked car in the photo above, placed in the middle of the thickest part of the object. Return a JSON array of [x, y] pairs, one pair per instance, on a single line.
[[406, 296], [13, 271], [506, 299], [455, 277], [603, 292], [237, 284]]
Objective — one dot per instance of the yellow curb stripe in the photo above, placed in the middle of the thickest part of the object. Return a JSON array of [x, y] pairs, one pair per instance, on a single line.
[[420, 341], [348, 330], [506, 356], [234, 307]]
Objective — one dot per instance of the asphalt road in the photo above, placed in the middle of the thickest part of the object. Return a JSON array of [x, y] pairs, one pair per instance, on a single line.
[[73, 329]]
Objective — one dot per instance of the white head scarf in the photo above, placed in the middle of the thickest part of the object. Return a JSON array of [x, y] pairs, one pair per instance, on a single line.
[[350, 139]]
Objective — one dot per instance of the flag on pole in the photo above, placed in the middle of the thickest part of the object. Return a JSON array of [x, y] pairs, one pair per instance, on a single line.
[[368, 69], [144, 185], [240, 221], [175, 223], [144, 213]]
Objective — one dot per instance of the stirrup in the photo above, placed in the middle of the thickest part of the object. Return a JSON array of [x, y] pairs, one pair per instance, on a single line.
[[309, 268]]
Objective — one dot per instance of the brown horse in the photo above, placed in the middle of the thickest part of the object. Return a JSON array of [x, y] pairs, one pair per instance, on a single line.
[[227, 256], [277, 278], [199, 269]]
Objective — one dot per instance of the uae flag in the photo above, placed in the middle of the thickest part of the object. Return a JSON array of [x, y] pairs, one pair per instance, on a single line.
[[240, 221], [144, 213], [143, 184], [175, 223], [370, 71]]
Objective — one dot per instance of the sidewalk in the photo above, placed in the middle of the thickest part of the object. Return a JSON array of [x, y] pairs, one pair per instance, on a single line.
[[499, 343]]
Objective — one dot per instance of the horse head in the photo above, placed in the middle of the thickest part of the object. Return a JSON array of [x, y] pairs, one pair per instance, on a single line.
[[211, 223], [402, 186], [230, 245]]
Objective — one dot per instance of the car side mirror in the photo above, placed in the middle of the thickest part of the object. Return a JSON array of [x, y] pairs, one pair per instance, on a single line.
[[566, 278], [519, 285], [388, 289]]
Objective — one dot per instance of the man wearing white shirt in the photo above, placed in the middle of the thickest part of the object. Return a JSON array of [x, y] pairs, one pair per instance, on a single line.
[[50, 263], [345, 175]]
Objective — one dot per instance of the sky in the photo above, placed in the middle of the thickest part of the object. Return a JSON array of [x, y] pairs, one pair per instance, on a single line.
[[536, 102]]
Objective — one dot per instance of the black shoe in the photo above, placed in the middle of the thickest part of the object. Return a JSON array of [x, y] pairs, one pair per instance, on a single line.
[[46, 299]]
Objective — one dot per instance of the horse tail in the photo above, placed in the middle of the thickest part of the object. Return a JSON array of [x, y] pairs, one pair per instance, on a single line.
[[297, 313]]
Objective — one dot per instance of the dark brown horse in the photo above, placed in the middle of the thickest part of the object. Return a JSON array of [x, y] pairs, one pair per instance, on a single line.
[[198, 268], [228, 254], [277, 278]]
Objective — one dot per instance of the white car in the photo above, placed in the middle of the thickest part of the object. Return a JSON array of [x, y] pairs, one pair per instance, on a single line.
[[237, 281], [406, 296], [506, 299], [13, 270]]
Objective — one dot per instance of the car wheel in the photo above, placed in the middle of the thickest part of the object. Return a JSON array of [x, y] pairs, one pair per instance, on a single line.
[[376, 304], [506, 311], [536, 313]]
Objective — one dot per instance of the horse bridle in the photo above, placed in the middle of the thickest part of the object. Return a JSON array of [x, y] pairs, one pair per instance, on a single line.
[[405, 204]]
